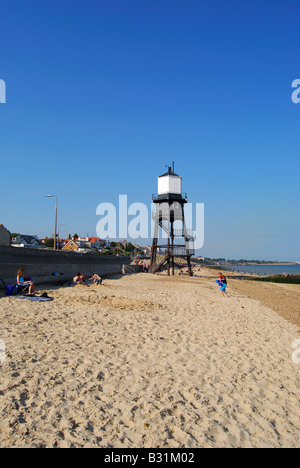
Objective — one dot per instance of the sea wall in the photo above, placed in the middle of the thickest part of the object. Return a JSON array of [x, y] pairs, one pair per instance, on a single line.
[[42, 265]]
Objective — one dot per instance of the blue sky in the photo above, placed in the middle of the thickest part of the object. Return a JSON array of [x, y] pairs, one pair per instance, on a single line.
[[102, 95]]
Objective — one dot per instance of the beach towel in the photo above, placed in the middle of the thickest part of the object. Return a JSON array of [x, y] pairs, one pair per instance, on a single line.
[[36, 299]]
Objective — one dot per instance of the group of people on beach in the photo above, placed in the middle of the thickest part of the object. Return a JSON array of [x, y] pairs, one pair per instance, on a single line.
[[25, 284], [143, 265], [81, 279]]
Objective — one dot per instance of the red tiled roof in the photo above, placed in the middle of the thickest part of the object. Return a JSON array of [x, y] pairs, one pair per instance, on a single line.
[[93, 240]]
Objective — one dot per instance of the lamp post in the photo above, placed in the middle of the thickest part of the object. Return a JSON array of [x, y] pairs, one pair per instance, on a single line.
[[55, 226]]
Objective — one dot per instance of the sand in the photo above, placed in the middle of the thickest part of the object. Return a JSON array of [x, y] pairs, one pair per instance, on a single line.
[[148, 361], [283, 298]]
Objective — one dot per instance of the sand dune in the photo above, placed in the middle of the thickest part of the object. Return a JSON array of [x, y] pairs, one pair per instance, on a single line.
[[147, 361]]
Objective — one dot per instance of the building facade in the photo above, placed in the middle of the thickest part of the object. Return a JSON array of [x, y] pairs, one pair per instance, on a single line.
[[4, 236]]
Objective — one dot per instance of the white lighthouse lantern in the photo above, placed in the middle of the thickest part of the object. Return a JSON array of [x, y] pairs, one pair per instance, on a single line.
[[169, 184]]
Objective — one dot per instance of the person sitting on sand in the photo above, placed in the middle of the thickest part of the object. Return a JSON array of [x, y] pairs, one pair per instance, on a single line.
[[76, 279], [82, 279], [96, 279], [224, 284], [23, 282], [79, 279]]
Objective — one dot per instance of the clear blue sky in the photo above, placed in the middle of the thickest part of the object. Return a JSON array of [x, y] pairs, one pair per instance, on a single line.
[[102, 95]]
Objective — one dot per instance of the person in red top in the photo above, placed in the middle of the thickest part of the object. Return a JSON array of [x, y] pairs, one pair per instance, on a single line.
[[224, 284]]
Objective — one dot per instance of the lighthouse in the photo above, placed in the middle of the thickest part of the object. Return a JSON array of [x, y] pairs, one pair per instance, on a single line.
[[174, 245]]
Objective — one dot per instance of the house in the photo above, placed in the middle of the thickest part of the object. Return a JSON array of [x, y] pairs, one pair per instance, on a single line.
[[84, 244], [96, 243], [82, 239], [4, 236], [71, 246], [29, 242], [76, 246]]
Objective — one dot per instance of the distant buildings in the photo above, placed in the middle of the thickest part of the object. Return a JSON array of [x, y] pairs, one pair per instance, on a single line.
[[73, 244], [4, 236], [84, 244], [97, 243], [26, 241]]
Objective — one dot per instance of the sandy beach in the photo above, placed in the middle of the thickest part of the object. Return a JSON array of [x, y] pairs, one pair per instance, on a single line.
[[151, 361]]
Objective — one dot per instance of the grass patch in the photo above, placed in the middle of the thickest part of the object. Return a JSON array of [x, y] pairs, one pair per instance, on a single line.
[[289, 279]]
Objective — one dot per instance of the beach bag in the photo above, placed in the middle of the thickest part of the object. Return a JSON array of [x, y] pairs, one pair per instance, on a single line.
[[11, 290]]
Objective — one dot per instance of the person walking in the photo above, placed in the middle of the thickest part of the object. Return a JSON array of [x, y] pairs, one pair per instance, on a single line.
[[224, 283]]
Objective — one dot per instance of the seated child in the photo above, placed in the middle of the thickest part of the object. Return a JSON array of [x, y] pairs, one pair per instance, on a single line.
[[96, 279], [24, 283]]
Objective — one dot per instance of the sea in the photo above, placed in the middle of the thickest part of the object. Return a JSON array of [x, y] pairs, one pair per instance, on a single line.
[[265, 270]]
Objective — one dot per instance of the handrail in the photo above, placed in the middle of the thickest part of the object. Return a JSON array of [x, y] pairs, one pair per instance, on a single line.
[[129, 268], [167, 196]]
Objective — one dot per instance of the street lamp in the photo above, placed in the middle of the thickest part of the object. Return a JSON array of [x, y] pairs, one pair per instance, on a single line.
[[55, 226]]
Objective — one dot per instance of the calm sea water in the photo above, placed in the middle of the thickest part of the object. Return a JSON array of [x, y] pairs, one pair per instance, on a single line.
[[264, 270]]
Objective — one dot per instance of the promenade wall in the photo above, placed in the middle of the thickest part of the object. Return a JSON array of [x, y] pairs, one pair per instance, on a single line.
[[42, 265]]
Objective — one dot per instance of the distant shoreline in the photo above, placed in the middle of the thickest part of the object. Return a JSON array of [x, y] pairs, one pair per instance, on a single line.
[[267, 264], [251, 265], [273, 277], [261, 264]]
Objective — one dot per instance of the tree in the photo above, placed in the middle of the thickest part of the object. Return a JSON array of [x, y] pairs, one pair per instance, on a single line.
[[49, 243]]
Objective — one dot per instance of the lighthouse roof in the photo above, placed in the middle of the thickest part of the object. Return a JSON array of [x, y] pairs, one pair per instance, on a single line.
[[170, 172]]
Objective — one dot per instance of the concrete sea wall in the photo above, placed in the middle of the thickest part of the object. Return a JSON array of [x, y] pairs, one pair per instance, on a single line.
[[41, 265]]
